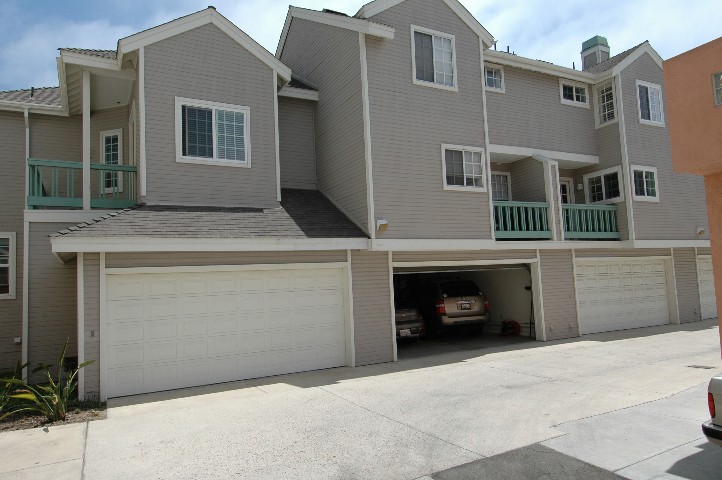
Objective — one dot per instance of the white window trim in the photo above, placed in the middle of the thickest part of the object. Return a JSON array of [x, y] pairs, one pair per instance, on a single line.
[[569, 181], [459, 188], [503, 79], [639, 105], [180, 102], [428, 31], [508, 184], [109, 133], [645, 198], [12, 275], [601, 173], [574, 103], [597, 121]]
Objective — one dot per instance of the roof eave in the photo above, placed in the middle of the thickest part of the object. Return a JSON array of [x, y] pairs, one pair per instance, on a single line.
[[539, 66]]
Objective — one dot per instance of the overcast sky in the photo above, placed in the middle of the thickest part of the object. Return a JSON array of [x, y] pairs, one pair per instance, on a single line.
[[551, 30]]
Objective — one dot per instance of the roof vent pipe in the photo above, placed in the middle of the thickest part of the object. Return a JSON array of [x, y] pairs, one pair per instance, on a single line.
[[32, 92]]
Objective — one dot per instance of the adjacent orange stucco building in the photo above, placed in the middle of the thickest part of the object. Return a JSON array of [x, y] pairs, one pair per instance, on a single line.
[[694, 101]]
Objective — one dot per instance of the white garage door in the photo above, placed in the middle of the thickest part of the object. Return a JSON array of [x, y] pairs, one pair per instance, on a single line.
[[173, 330], [617, 295], [707, 297]]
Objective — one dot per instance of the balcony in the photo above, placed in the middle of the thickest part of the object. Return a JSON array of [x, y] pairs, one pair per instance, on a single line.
[[59, 184], [590, 222], [522, 220]]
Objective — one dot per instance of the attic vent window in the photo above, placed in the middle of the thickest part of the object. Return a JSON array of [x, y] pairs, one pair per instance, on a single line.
[[212, 133]]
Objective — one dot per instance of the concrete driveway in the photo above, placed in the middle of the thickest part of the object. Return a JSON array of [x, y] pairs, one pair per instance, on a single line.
[[405, 420]]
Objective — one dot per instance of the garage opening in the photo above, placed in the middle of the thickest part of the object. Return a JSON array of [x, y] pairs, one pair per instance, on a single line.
[[441, 309]]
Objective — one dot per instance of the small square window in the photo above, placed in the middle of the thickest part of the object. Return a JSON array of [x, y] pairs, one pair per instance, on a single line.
[[463, 168], [494, 79], [650, 103], [717, 82], [433, 58], [573, 93], [604, 186], [645, 183]]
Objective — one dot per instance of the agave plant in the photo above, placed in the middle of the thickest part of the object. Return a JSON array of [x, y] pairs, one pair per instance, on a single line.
[[7, 389], [50, 399]]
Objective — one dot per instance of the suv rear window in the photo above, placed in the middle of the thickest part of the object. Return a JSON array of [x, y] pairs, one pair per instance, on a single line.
[[459, 289]]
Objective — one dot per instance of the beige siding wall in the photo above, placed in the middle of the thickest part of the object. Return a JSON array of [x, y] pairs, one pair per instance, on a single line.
[[461, 256], [329, 57], [530, 114], [296, 138], [372, 307], [409, 123], [172, 259], [12, 199], [52, 298], [558, 294], [111, 119], [206, 64], [681, 195], [91, 292], [527, 181], [56, 138], [685, 275]]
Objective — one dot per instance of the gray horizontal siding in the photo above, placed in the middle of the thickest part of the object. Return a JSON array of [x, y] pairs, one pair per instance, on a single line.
[[461, 256], [372, 307], [329, 57], [527, 181], [171, 259], [91, 292], [409, 123], [619, 252], [558, 294], [685, 275], [206, 64], [52, 298], [530, 114], [298, 156], [56, 138], [12, 199], [681, 196]]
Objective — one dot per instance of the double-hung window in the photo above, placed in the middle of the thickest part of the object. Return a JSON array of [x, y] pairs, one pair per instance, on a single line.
[[434, 58], [645, 183], [650, 103], [500, 186], [7, 265], [572, 93], [604, 186], [717, 85], [212, 133], [494, 78], [463, 168], [111, 146], [605, 103]]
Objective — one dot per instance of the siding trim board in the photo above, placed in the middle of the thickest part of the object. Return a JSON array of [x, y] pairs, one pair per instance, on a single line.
[[625, 159], [80, 278], [371, 227], [487, 160]]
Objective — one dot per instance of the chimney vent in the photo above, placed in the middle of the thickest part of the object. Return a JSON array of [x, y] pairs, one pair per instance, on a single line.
[[594, 51]]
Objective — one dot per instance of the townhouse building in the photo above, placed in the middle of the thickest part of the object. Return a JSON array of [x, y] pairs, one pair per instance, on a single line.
[[190, 209]]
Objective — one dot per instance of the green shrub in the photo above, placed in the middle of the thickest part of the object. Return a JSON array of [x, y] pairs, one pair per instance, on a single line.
[[51, 399], [7, 388]]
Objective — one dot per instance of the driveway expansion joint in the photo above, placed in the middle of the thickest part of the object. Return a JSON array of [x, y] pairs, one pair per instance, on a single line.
[[660, 453]]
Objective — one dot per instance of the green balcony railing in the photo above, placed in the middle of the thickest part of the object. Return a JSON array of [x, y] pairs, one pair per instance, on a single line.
[[521, 220], [584, 222], [59, 184]]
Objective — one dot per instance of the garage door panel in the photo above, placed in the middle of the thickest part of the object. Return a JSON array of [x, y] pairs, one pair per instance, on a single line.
[[707, 298], [160, 352], [617, 295], [161, 288], [124, 355], [193, 348], [163, 328], [120, 310], [218, 325]]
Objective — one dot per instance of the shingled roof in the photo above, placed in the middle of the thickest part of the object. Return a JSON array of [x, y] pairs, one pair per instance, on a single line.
[[303, 214], [40, 96], [111, 54], [612, 62]]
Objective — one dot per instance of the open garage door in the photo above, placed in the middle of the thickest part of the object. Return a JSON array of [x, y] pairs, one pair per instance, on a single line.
[[619, 294], [506, 287], [172, 330], [707, 298]]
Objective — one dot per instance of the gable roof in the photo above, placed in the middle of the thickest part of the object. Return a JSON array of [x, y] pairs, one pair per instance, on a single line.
[[194, 20], [377, 6], [612, 62], [334, 19]]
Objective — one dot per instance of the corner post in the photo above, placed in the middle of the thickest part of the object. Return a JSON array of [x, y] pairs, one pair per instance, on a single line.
[[86, 140]]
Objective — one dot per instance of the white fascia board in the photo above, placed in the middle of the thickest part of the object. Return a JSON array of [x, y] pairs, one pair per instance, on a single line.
[[89, 60], [32, 108], [551, 154], [631, 58], [464, 263], [119, 244], [349, 23], [300, 93], [64, 216], [420, 245], [671, 244], [198, 19], [378, 6], [511, 60]]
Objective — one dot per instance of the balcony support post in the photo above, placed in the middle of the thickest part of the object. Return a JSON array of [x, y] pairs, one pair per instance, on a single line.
[[86, 140]]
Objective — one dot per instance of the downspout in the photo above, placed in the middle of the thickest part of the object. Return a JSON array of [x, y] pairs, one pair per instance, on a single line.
[[26, 263]]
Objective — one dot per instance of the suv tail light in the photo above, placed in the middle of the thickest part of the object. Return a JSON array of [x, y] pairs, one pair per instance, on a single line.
[[710, 402], [486, 304], [440, 306]]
